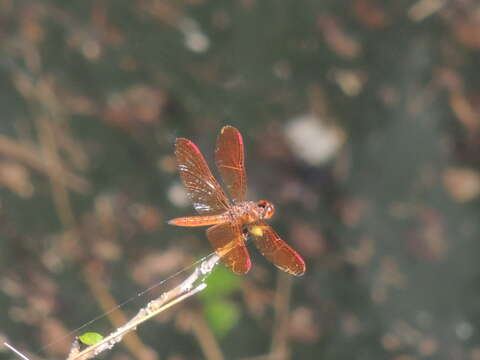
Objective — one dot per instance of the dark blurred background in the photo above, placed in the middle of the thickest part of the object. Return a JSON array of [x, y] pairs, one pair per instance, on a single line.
[[361, 121]]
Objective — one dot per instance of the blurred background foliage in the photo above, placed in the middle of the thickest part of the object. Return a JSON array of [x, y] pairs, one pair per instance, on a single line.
[[361, 120]]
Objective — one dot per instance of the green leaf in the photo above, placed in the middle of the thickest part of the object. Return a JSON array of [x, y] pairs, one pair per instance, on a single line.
[[222, 316], [90, 338], [220, 283]]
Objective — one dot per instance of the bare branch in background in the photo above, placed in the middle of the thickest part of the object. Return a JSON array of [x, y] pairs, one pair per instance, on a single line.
[[34, 158]]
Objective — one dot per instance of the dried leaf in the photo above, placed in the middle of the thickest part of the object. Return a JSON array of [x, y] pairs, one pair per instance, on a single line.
[[462, 184], [337, 39], [371, 13]]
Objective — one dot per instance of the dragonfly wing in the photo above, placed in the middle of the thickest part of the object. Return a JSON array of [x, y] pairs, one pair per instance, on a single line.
[[229, 157], [202, 189], [228, 242], [276, 250]]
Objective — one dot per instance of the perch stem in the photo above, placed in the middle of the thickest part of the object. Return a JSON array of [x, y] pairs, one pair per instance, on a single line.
[[189, 287]]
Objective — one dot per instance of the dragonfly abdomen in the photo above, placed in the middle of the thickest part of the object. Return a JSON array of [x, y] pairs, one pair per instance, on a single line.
[[202, 220]]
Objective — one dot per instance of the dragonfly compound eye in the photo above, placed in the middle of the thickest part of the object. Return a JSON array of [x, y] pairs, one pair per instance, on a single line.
[[267, 208]]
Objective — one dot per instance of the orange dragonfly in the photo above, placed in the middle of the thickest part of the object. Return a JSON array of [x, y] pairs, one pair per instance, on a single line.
[[232, 221]]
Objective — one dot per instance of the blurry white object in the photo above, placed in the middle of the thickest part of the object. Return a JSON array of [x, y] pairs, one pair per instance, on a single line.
[[177, 195], [195, 39], [312, 140]]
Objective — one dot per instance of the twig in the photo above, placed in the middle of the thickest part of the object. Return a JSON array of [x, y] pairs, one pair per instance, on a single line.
[[205, 337], [190, 286], [279, 348], [15, 351], [424, 8], [107, 302]]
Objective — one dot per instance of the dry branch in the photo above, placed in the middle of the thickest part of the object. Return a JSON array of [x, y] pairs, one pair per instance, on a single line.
[[190, 286]]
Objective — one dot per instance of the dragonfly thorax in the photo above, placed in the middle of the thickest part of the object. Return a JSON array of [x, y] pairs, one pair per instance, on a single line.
[[250, 212]]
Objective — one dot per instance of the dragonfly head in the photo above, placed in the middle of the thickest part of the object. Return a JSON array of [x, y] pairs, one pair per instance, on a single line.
[[266, 209]]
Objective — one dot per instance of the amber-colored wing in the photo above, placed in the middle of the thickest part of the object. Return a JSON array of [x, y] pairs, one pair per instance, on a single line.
[[202, 189], [276, 250], [229, 157], [228, 242]]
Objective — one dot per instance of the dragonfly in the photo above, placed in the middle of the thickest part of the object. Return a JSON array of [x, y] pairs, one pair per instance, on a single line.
[[232, 222]]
